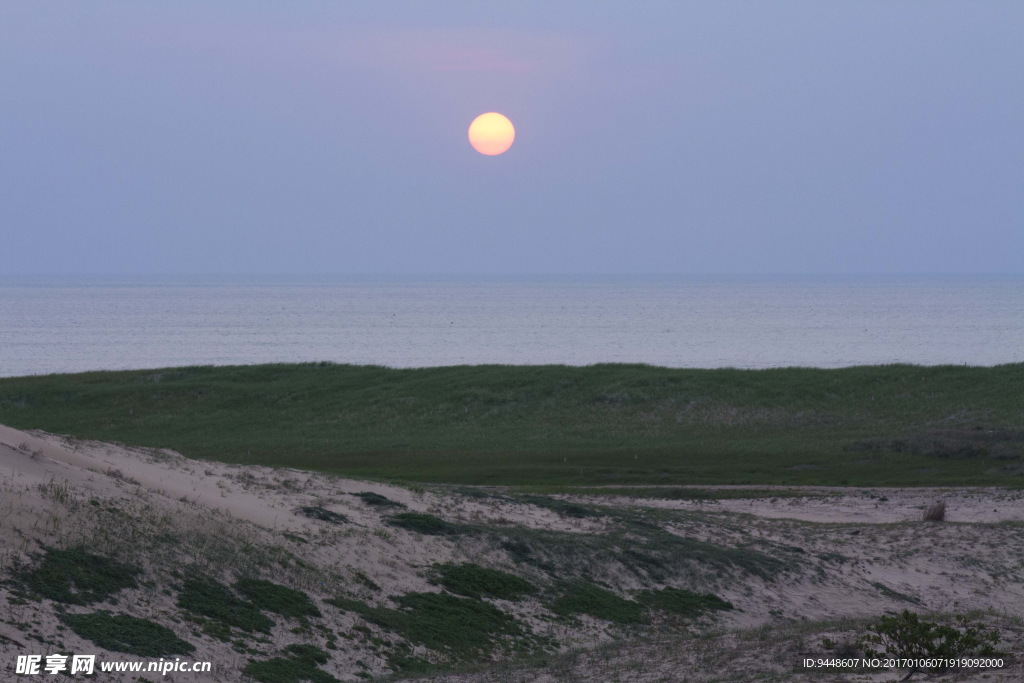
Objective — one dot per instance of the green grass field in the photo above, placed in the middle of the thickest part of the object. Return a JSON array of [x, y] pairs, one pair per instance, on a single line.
[[558, 426]]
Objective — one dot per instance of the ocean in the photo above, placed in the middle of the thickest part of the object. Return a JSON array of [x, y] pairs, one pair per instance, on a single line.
[[52, 325]]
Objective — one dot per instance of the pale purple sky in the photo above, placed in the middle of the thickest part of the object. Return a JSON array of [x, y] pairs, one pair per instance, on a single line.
[[652, 137]]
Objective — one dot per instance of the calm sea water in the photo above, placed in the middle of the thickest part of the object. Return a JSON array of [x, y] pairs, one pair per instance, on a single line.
[[89, 324]]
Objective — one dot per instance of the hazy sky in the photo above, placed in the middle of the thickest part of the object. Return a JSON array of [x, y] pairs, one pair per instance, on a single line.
[[675, 137]]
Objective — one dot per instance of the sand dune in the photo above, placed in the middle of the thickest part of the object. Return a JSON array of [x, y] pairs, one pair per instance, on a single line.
[[831, 555]]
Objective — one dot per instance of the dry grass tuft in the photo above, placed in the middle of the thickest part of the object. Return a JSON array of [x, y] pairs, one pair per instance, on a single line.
[[936, 512]]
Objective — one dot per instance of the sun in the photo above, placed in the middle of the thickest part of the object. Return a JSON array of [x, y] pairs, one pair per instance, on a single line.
[[491, 133]]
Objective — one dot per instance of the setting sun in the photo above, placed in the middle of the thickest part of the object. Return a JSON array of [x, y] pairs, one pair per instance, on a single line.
[[491, 133]]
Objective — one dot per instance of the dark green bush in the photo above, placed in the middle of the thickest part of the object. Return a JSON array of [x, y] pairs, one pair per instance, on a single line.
[[323, 514], [581, 597], [122, 633], [458, 626], [475, 581], [683, 602], [273, 597], [562, 507], [77, 577], [209, 598], [377, 500], [908, 637], [301, 664], [428, 525]]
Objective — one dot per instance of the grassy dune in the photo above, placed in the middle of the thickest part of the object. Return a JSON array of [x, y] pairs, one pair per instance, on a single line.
[[556, 426]]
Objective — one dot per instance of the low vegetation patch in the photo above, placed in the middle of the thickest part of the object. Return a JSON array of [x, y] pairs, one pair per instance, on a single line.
[[654, 565], [209, 598], [749, 560], [979, 442], [562, 507], [583, 597], [894, 594], [460, 627], [639, 543], [401, 660], [123, 633], [377, 500], [77, 577], [428, 525], [323, 514], [301, 663], [276, 598], [475, 581], [365, 580], [682, 602], [521, 551], [695, 494]]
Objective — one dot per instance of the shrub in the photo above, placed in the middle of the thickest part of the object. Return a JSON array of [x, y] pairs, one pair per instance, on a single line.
[[123, 633], [907, 637]]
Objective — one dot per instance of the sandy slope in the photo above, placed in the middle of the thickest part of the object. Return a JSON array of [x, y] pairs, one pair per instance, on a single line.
[[881, 505], [848, 554]]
